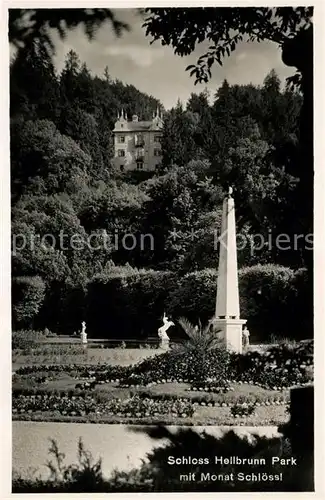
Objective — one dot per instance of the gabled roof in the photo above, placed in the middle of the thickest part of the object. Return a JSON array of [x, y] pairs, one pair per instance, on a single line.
[[137, 126], [123, 125]]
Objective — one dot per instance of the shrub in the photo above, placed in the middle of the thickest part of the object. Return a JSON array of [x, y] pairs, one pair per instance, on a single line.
[[86, 475], [265, 292], [28, 293], [199, 338], [26, 339], [194, 296], [242, 409], [63, 308], [272, 298], [279, 367], [47, 349], [128, 303], [301, 305]]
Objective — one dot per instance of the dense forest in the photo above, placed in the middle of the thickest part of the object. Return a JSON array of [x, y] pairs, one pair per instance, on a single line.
[[64, 188]]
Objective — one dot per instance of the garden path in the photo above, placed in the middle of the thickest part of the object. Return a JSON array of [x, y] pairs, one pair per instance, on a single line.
[[117, 445]]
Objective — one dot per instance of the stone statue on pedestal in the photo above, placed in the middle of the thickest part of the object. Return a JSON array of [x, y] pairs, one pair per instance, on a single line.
[[83, 334], [164, 339], [246, 335]]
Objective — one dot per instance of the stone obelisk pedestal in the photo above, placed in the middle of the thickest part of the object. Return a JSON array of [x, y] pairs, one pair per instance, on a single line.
[[227, 316]]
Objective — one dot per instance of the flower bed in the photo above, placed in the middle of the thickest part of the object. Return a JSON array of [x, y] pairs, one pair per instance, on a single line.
[[242, 409], [261, 398], [279, 367], [212, 386], [146, 406], [185, 367], [79, 371], [87, 405], [276, 369]]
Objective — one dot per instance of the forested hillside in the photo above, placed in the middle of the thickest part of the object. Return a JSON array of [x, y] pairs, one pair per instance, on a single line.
[[64, 189]]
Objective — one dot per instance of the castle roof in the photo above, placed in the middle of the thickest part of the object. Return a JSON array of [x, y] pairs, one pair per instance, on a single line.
[[123, 125], [140, 126]]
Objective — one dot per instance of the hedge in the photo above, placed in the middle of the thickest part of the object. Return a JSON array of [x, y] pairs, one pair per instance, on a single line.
[[128, 304], [28, 293], [266, 293], [63, 308], [302, 305], [25, 339], [275, 300], [194, 296]]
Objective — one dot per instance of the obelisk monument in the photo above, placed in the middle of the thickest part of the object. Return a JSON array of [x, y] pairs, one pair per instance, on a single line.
[[227, 315]]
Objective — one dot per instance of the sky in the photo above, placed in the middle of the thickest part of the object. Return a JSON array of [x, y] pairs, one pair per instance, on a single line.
[[156, 70]]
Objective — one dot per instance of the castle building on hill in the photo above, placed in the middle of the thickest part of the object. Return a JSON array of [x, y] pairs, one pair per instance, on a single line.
[[137, 144]]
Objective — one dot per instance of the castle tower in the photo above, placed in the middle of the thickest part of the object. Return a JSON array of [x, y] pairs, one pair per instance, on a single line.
[[227, 315]]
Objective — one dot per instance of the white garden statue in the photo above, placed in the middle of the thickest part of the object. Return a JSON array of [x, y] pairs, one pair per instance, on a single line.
[[246, 335], [83, 334], [164, 339]]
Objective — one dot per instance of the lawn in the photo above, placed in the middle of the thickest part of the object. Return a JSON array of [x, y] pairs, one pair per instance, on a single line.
[[89, 356], [54, 351]]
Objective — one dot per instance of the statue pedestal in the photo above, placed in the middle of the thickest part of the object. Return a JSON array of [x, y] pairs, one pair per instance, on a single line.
[[230, 333], [164, 344]]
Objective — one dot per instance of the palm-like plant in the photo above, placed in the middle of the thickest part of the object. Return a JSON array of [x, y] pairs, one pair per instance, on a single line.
[[200, 339]]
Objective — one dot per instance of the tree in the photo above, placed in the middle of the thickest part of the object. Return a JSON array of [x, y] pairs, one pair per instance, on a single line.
[[178, 145], [29, 25], [83, 129], [290, 27], [176, 201], [34, 89], [279, 111], [49, 223], [28, 293], [224, 28], [76, 84], [45, 161], [205, 134]]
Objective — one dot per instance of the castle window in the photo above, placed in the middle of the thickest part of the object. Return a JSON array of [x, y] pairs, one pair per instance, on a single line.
[[157, 152], [139, 140], [157, 138], [139, 165], [139, 154], [121, 152], [121, 138]]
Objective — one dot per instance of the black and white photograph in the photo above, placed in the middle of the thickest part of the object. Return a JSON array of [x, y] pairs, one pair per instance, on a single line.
[[162, 248]]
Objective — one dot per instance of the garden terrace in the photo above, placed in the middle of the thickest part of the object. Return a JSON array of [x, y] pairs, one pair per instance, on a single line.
[[248, 389]]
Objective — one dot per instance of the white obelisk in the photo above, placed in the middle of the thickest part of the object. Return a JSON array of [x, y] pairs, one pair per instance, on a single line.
[[227, 315]]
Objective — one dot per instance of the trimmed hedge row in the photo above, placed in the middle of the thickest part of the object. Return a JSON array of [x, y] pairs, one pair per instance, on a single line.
[[275, 300], [127, 303]]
